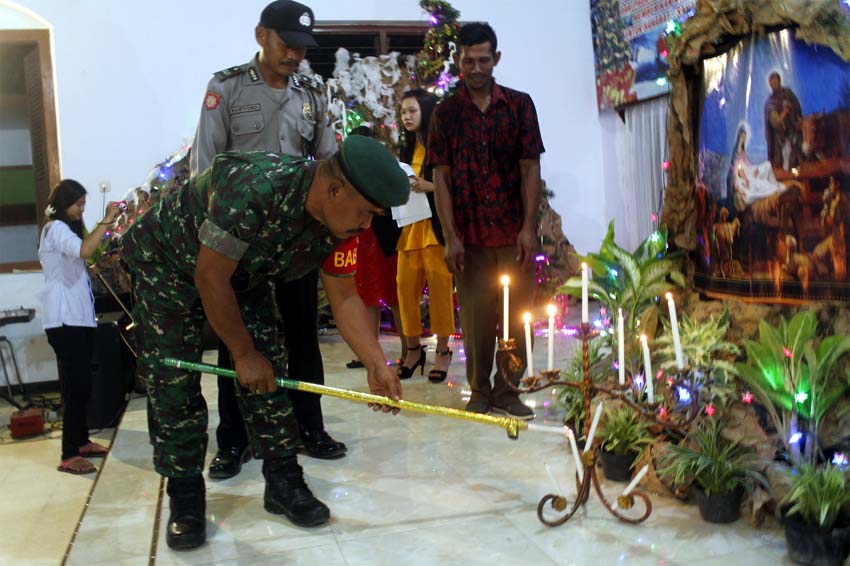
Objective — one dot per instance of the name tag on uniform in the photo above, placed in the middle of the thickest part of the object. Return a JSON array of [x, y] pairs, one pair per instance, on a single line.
[[344, 259], [244, 108]]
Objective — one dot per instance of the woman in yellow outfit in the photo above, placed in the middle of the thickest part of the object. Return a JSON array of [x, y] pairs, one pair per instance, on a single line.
[[420, 251]]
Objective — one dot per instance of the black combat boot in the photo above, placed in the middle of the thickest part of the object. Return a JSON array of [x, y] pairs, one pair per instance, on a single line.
[[187, 523], [288, 494], [319, 444]]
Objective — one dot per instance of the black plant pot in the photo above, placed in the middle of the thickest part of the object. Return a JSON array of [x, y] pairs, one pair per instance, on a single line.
[[618, 467], [723, 507], [808, 544]]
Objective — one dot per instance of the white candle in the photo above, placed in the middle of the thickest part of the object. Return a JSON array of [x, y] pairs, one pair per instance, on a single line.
[[576, 457], [647, 369], [621, 348], [526, 320], [585, 318], [505, 281], [544, 428], [674, 326], [550, 310], [650, 388], [636, 481], [596, 416]]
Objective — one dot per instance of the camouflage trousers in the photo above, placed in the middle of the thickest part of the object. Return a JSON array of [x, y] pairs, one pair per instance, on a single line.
[[170, 318]]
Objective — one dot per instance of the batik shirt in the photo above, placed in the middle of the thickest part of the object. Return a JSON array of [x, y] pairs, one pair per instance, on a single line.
[[483, 150]]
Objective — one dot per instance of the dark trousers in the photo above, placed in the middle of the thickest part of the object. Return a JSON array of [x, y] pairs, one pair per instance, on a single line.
[[480, 297], [73, 347], [297, 302]]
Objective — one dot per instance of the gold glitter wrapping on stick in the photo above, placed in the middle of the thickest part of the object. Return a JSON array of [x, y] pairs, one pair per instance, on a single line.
[[511, 426]]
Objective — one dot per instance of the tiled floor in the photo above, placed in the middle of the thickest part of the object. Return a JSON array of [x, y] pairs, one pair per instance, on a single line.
[[412, 490]]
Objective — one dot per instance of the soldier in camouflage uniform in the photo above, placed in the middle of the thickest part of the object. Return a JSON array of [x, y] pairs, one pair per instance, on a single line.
[[214, 248], [265, 105]]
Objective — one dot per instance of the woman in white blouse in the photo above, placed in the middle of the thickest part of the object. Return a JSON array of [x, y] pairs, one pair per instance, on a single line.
[[68, 313]]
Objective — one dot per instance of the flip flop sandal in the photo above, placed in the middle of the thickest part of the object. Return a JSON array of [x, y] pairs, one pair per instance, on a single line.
[[70, 466]]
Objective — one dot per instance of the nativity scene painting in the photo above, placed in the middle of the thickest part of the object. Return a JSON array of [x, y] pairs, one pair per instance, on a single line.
[[774, 171]]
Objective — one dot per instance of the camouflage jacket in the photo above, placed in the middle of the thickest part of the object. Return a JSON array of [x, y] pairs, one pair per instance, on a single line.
[[249, 207]]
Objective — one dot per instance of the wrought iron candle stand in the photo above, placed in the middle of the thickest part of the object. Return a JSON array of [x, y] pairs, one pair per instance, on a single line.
[[511, 368]]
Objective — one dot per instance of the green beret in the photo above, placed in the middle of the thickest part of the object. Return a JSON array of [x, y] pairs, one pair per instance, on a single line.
[[373, 171]]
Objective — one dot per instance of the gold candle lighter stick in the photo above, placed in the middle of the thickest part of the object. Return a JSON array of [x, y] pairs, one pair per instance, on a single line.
[[511, 426]]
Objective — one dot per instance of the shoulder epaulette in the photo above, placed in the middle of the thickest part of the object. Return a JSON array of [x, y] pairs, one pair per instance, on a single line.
[[307, 81], [231, 72]]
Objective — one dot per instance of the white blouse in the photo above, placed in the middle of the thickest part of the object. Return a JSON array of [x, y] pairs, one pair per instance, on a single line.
[[67, 298]]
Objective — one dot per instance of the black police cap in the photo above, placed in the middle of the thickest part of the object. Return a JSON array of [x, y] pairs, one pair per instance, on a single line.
[[292, 21]]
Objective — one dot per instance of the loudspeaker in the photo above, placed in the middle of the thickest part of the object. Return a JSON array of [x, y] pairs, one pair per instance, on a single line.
[[112, 368]]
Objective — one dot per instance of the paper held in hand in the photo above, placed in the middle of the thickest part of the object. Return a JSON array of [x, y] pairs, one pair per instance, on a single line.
[[417, 207]]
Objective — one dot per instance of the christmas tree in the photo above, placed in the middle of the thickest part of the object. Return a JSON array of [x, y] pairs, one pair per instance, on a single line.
[[434, 65]]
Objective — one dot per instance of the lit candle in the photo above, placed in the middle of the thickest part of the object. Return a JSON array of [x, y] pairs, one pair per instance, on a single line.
[[585, 318], [550, 310], [621, 348], [526, 320], [647, 369], [596, 416], [505, 281], [576, 457], [674, 326], [636, 481]]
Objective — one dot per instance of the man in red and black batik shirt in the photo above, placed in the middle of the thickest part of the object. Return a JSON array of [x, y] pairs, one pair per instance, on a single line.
[[485, 147]]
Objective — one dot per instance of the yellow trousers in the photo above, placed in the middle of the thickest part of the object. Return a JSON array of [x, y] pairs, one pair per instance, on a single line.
[[414, 268]]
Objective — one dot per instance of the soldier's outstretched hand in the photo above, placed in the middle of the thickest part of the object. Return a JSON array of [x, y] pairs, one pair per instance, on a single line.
[[255, 373], [384, 381]]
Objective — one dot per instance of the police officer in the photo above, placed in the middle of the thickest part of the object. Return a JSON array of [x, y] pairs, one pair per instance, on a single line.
[[212, 250], [265, 105]]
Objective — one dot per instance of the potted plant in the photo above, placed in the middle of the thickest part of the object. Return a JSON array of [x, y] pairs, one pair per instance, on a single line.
[[631, 281], [624, 434], [796, 378], [720, 469], [817, 525]]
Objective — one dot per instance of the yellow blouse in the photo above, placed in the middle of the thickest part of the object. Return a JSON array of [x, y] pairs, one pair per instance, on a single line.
[[418, 235]]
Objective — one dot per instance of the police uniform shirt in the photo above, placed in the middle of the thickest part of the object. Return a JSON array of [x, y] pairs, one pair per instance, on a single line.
[[242, 113]]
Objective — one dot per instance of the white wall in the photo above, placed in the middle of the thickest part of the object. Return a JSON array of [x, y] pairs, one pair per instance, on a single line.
[[131, 77]]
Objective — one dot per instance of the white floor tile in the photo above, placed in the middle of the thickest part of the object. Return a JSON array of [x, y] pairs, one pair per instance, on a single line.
[[412, 490]]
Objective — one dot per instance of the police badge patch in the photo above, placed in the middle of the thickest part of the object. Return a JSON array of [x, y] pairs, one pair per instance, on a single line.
[[307, 111], [211, 100]]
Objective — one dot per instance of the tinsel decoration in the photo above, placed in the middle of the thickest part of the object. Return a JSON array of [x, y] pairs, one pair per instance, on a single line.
[[365, 91]]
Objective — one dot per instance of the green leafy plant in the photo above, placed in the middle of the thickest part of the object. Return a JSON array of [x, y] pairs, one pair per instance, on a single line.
[[624, 431], [794, 378], [708, 458], [818, 494], [632, 282], [704, 345], [570, 397], [707, 351]]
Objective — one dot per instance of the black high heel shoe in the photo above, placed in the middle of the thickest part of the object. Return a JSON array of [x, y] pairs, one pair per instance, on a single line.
[[405, 372], [436, 375]]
